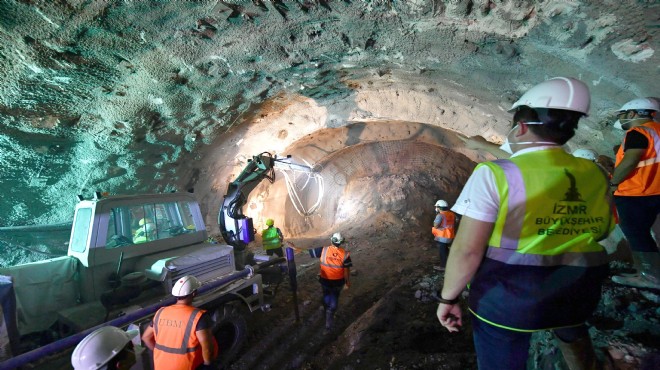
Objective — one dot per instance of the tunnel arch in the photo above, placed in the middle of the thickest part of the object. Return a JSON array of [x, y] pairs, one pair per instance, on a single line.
[[419, 162], [399, 177]]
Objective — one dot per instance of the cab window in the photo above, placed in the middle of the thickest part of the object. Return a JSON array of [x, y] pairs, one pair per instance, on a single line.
[[148, 222], [81, 230]]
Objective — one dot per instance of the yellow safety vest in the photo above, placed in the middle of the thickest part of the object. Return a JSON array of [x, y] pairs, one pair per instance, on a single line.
[[271, 238], [544, 266]]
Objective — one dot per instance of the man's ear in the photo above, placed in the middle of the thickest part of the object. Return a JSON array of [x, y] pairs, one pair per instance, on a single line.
[[522, 129]]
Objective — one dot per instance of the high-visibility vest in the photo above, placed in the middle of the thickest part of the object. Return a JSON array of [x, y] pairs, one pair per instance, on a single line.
[[446, 231], [177, 346], [271, 238], [544, 266], [644, 179], [332, 262]]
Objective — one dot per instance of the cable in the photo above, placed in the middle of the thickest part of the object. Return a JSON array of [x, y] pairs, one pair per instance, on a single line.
[[294, 190]]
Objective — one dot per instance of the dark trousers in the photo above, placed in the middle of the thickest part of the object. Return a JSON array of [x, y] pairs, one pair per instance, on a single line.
[[277, 251], [502, 349], [636, 217], [443, 249], [331, 295]]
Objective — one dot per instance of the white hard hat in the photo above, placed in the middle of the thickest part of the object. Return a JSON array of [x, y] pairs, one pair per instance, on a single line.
[[337, 238], [144, 221], [441, 203], [641, 104], [99, 347], [586, 154], [557, 93], [185, 286]]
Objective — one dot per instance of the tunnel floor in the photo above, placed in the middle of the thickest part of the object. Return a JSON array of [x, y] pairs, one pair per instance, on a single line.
[[386, 320]]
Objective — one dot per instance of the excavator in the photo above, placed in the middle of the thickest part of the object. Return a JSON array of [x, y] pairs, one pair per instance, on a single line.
[[108, 277], [237, 229]]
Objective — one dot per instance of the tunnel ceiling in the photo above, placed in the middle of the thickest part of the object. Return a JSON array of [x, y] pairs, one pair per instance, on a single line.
[[138, 96]]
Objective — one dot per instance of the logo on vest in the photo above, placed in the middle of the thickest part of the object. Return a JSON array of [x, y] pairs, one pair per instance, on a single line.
[[566, 218], [170, 323], [572, 195]]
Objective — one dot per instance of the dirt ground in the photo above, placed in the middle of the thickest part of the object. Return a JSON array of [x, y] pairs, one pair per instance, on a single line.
[[386, 320]]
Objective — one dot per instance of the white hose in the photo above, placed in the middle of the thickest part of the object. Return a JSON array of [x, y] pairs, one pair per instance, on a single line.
[[294, 190]]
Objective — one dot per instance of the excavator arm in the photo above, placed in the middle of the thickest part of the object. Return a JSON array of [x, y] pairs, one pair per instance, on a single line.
[[236, 228]]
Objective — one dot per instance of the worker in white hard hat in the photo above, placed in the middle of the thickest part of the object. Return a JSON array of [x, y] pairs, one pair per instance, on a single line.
[[636, 186], [529, 266], [105, 348], [585, 153], [335, 275], [444, 230], [146, 233], [604, 162], [272, 238], [180, 335]]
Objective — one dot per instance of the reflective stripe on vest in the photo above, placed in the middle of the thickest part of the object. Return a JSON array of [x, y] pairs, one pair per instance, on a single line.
[[332, 267], [183, 348], [446, 231], [642, 180], [271, 238], [655, 146], [561, 227]]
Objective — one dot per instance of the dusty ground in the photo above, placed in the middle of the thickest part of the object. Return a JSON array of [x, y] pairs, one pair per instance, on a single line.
[[386, 320]]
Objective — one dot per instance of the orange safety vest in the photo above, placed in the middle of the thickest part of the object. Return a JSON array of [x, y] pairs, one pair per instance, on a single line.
[[332, 262], [642, 181], [177, 346], [446, 232]]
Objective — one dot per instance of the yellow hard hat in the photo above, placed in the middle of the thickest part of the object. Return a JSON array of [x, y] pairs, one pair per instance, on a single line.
[[270, 222]]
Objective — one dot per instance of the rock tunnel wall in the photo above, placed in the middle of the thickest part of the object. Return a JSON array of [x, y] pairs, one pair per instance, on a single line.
[[400, 178]]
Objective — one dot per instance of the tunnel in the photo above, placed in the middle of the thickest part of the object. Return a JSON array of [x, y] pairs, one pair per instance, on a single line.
[[373, 102]]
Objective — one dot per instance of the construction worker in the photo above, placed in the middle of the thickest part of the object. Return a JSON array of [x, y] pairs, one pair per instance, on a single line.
[[444, 229], [145, 233], [272, 239], [335, 275], [176, 346], [585, 153], [636, 186], [604, 162], [105, 348], [528, 241]]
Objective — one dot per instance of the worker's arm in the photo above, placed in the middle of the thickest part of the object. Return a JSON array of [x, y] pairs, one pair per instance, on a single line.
[[631, 158], [347, 277], [480, 143], [205, 338], [465, 256], [437, 221], [148, 338]]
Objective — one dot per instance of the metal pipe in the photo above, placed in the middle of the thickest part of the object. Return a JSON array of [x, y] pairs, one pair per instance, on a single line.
[[73, 340], [292, 279], [274, 261]]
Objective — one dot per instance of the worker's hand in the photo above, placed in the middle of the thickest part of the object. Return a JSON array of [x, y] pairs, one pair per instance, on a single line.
[[450, 316], [347, 285]]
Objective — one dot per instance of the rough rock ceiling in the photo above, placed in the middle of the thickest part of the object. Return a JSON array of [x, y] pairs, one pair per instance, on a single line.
[[137, 96]]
